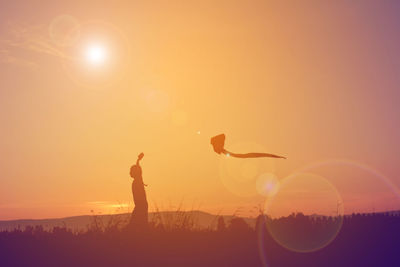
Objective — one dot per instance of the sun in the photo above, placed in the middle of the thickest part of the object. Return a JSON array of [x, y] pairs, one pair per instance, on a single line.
[[96, 54]]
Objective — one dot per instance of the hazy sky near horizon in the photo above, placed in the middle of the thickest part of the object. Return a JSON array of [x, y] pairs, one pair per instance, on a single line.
[[314, 81]]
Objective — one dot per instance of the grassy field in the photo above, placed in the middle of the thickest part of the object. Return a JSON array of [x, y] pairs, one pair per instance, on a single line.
[[361, 240]]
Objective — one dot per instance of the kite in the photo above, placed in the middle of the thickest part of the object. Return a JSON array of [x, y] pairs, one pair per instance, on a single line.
[[218, 143]]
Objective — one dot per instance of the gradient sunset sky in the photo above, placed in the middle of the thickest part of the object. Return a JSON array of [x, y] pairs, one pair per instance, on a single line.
[[316, 81]]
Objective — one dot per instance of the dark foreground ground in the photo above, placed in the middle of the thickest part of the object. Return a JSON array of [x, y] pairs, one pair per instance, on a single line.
[[363, 240]]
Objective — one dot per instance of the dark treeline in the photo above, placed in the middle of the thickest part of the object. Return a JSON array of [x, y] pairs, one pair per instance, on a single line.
[[363, 240]]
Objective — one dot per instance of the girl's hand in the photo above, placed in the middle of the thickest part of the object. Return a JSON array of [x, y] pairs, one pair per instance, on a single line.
[[141, 155]]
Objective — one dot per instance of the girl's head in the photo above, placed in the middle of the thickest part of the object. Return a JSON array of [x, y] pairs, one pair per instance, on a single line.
[[136, 172]]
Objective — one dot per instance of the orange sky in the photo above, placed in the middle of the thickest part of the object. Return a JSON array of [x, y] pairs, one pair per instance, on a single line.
[[312, 82]]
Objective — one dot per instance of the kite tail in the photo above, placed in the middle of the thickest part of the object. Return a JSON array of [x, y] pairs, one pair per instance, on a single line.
[[252, 155]]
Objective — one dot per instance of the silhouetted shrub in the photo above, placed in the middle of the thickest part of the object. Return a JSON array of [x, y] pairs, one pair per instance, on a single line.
[[221, 224]]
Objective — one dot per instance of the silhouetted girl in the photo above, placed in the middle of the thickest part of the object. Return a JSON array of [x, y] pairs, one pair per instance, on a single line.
[[139, 216]]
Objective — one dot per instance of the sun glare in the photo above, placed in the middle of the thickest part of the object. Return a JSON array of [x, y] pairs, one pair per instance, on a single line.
[[96, 54]]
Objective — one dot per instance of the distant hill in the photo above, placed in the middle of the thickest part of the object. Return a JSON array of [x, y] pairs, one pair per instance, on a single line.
[[198, 219]]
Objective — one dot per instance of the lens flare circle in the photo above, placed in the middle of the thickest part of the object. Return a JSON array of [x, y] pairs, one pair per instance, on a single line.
[[358, 165], [179, 117], [239, 175], [306, 214], [157, 101], [267, 184], [64, 30], [336, 163]]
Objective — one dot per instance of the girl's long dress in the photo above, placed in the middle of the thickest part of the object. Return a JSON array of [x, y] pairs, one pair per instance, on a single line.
[[140, 212]]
